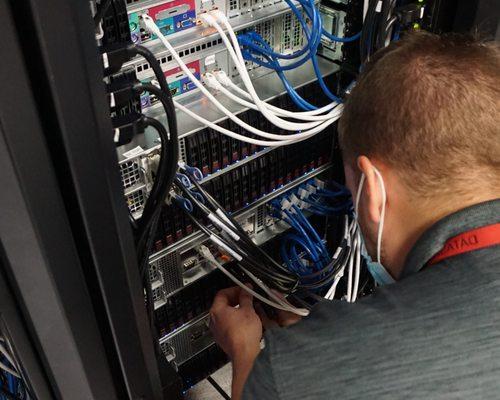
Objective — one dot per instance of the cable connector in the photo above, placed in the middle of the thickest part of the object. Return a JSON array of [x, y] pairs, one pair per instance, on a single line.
[[285, 204], [319, 183], [211, 81], [207, 254], [207, 19], [195, 172], [182, 202], [303, 193], [218, 15], [410, 13], [222, 77], [184, 180]]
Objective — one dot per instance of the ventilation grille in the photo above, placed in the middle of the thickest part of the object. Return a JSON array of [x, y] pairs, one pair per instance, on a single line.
[[184, 53], [182, 149], [297, 34], [130, 172], [286, 40], [233, 5], [188, 342], [169, 267], [135, 200], [261, 216]]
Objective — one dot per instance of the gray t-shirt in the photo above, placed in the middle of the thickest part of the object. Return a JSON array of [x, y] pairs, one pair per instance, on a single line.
[[433, 335]]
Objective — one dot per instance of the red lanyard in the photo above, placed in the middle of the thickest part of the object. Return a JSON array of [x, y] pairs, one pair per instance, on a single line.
[[480, 238]]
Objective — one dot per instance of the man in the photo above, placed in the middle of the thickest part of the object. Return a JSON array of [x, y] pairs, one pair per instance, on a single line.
[[422, 129]]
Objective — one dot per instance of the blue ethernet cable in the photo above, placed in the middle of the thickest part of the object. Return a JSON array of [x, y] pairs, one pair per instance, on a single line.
[[273, 63], [341, 39], [297, 99], [286, 257], [302, 218], [184, 180], [293, 223]]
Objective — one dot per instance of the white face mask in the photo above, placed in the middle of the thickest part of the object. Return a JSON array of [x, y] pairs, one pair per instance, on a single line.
[[376, 269]]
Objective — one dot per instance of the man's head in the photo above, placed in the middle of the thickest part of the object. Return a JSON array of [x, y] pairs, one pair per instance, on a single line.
[[425, 113]]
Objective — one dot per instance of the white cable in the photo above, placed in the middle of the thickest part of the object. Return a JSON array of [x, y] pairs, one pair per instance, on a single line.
[[275, 297], [205, 252], [150, 24], [221, 17], [305, 115], [231, 134], [357, 270], [6, 354], [9, 370], [209, 79], [350, 270], [235, 53]]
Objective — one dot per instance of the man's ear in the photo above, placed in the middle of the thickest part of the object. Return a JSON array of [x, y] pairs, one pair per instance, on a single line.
[[372, 191]]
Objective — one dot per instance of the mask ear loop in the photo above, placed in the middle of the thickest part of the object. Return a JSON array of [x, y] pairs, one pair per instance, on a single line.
[[382, 214]]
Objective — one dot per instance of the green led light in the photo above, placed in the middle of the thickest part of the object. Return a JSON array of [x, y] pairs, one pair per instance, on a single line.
[[416, 26]]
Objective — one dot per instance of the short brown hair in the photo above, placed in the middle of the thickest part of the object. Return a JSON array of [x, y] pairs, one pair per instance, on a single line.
[[429, 106]]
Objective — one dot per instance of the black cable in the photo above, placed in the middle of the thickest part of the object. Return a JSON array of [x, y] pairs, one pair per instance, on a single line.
[[239, 229], [165, 175], [245, 245], [144, 271], [156, 198], [367, 32], [137, 50], [218, 388], [99, 15], [272, 278]]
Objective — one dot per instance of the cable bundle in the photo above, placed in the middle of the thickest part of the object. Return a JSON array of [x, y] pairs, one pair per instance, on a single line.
[[228, 236], [257, 50], [12, 384], [304, 251], [311, 122]]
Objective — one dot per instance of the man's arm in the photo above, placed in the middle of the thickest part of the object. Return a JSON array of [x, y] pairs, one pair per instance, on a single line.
[[237, 329]]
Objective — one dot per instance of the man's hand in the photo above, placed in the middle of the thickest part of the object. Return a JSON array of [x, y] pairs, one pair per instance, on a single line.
[[237, 330]]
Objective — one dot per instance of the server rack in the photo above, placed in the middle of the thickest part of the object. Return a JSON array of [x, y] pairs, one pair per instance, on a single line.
[[71, 299]]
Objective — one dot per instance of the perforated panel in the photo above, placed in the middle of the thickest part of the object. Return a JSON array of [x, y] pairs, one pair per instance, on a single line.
[[170, 269], [130, 172], [182, 149], [135, 201], [188, 342]]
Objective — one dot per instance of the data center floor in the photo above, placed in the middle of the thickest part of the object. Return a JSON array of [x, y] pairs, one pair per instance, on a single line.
[[205, 391]]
